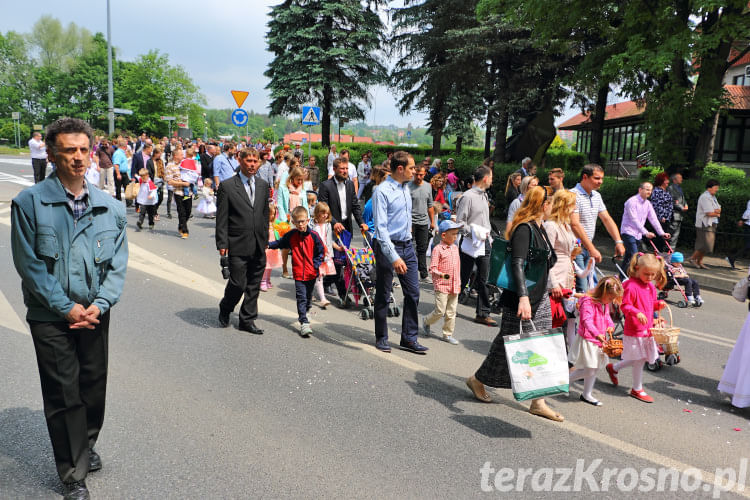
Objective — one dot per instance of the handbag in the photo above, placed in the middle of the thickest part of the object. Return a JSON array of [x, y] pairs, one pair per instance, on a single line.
[[131, 190], [534, 268], [537, 363]]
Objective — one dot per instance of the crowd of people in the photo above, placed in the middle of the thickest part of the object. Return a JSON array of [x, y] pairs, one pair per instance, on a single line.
[[425, 225]]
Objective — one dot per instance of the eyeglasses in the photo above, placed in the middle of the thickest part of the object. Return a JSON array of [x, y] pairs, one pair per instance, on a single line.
[[300, 221]]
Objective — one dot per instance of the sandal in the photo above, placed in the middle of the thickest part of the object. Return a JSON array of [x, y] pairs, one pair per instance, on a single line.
[[542, 410], [477, 388]]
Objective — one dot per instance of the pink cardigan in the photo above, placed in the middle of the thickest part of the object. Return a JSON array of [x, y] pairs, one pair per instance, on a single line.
[[638, 297], [594, 319]]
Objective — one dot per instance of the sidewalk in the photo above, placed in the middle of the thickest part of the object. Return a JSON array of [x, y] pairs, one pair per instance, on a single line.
[[718, 278]]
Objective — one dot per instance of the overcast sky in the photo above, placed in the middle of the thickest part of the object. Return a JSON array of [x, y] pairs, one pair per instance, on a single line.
[[221, 43]]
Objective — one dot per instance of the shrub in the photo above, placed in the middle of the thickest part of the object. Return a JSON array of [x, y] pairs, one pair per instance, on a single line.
[[726, 176], [649, 173], [733, 200], [570, 161]]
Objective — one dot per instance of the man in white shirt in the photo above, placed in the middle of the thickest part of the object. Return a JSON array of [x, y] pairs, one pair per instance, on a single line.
[[38, 157], [351, 169]]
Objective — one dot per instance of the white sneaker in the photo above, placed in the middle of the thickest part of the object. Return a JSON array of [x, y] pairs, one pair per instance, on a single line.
[[699, 300], [690, 301], [305, 330], [450, 339], [425, 327]]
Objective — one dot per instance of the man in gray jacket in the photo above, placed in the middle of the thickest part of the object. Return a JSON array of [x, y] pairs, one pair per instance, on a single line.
[[680, 207], [70, 248], [474, 208]]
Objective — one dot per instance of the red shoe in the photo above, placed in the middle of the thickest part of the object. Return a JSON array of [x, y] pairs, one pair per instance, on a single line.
[[641, 396], [612, 375]]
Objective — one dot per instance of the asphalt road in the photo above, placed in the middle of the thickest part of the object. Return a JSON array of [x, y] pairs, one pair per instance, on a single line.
[[199, 411]]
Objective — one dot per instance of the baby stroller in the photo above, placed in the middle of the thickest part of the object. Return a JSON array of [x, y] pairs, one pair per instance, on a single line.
[[360, 277], [672, 283]]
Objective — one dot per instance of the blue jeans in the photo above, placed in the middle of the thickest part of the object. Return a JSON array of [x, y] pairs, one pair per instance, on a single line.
[[632, 247], [383, 286], [303, 291]]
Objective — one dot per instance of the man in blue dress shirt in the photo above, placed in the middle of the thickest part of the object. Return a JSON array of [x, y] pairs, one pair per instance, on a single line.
[[223, 169], [391, 207]]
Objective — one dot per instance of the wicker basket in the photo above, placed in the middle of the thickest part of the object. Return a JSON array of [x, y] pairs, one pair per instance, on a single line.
[[612, 347], [667, 335]]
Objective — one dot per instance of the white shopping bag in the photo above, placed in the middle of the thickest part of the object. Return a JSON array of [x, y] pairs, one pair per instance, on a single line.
[[537, 363]]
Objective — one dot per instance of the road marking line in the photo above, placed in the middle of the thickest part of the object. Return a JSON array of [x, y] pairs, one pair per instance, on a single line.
[[16, 161], [683, 333], [159, 267], [150, 263], [4, 210], [708, 335], [10, 319], [15, 179]]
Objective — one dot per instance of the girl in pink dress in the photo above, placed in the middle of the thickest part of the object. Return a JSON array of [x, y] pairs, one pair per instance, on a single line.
[[322, 226], [594, 323], [273, 257], [638, 305]]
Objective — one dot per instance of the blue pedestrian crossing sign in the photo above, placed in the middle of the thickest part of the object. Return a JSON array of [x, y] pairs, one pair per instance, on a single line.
[[239, 117], [310, 115]]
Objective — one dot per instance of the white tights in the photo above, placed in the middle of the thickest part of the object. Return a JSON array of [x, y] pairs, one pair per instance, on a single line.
[[319, 290], [637, 365], [589, 377]]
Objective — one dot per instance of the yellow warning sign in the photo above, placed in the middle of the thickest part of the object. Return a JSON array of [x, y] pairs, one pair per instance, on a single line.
[[239, 97]]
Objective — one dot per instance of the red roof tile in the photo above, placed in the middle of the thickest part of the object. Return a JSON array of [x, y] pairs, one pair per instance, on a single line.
[[744, 60], [739, 96], [613, 112]]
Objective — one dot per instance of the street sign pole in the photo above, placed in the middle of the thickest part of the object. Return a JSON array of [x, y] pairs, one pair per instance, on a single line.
[[110, 87], [309, 143]]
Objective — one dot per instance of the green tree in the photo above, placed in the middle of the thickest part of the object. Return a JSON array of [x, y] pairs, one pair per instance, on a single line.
[[425, 74], [326, 52]]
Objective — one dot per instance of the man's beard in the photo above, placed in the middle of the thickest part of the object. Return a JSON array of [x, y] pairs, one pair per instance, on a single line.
[[341, 179]]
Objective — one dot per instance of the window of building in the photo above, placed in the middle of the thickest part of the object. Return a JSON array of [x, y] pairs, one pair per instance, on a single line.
[[739, 80]]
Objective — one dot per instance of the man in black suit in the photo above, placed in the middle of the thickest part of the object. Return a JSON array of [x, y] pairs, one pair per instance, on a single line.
[[242, 235], [339, 193], [207, 161]]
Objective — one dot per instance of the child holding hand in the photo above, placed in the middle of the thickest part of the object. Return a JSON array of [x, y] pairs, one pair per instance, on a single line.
[[594, 322], [639, 302], [445, 268]]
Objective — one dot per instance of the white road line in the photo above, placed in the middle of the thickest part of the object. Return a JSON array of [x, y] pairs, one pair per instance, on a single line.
[[16, 161], [15, 179], [707, 335], [704, 338], [158, 267], [10, 319]]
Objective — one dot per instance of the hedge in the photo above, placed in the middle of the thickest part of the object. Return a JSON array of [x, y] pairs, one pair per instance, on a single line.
[[733, 200]]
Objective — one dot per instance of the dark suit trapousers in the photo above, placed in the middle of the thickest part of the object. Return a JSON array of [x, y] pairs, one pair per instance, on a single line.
[[242, 229], [328, 193]]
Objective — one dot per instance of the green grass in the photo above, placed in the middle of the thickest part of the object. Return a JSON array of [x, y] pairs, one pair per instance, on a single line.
[[5, 150]]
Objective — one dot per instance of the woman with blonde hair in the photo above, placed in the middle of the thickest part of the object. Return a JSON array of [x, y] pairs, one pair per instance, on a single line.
[[512, 187], [292, 194], [561, 280], [522, 304]]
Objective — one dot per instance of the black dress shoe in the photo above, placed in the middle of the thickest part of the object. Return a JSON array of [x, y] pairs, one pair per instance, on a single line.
[[414, 347], [76, 490], [251, 328], [95, 461], [223, 318]]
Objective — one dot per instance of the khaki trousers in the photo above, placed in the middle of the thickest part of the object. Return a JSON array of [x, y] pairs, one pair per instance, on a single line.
[[445, 307]]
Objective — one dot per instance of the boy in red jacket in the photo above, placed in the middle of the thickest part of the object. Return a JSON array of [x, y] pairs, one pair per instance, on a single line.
[[307, 256]]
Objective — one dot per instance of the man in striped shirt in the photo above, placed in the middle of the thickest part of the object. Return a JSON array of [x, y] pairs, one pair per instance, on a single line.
[[589, 206]]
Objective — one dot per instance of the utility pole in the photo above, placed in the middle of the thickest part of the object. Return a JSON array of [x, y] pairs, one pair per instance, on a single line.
[[110, 87]]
